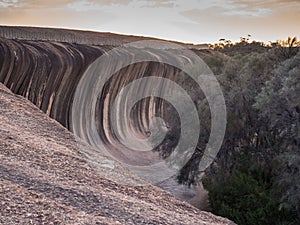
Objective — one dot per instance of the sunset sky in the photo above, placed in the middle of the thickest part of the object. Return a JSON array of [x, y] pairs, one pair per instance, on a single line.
[[196, 21]]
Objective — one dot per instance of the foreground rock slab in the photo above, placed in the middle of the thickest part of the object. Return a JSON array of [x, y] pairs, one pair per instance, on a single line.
[[47, 177]]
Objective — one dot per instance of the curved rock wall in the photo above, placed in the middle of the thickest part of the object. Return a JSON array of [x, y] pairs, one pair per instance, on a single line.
[[48, 73]]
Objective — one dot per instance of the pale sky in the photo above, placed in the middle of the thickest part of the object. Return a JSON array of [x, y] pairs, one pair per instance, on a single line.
[[193, 21]]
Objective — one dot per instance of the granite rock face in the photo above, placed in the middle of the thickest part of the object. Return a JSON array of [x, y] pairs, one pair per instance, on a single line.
[[44, 72], [45, 66], [48, 177]]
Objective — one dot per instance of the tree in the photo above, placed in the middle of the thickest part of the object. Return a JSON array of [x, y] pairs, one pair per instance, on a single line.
[[262, 92], [245, 195], [279, 103]]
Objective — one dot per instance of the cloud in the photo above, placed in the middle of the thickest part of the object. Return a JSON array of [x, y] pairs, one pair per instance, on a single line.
[[110, 2], [191, 21], [243, 8], [265, 4], [9, 3], [278, 23], [44, 17], [262, 8], [32, 4], [158, 3], [83, 6]]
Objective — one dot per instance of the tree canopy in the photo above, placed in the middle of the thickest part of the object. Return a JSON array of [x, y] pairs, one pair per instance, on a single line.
[[261, 84]]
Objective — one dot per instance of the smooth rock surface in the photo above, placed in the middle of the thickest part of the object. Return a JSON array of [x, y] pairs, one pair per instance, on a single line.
[[45, 66], [48, 177]]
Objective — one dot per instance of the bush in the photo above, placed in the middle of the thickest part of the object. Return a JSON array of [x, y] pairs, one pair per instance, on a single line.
[[246, 196]]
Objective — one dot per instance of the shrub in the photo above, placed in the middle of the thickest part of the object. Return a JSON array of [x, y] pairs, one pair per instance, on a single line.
[[246, 196]]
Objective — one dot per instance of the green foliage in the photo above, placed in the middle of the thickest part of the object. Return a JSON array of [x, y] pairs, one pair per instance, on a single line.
[[279, 103], [216, 62], [189, 173], [246, 195], [256, 176], [288, 181], [240, 48], [242, 79], [262, 92]]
